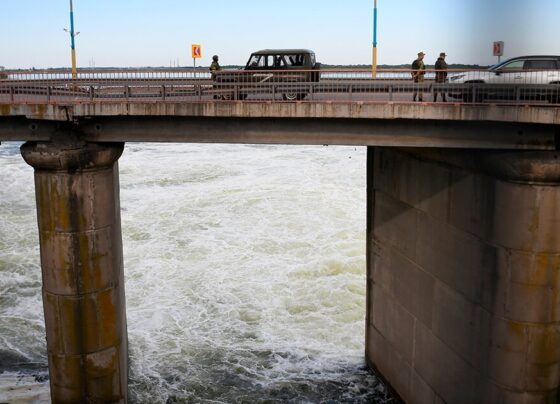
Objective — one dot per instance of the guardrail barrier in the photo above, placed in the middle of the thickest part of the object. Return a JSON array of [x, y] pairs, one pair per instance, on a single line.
[[184, 85]]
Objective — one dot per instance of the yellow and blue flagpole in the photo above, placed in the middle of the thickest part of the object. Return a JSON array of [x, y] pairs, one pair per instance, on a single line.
[[74, 70], [374, 57]]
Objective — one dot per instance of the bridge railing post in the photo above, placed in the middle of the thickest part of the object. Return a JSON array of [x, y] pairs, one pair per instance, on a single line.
[[163, 95]]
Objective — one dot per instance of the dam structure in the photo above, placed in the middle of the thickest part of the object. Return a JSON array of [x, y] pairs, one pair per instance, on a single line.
[[463, 212]]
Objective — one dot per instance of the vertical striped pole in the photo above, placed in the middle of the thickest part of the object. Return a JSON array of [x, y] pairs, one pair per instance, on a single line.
[[374, 59], [74, 70]]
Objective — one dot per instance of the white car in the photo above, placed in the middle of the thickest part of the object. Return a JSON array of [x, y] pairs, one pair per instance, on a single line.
[[524, 77]]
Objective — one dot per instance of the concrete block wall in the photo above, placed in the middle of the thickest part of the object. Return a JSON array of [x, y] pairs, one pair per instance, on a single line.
[[463, 278]]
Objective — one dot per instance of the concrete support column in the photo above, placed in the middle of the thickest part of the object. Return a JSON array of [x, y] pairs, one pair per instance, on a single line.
[[78, 210], [464, 274]]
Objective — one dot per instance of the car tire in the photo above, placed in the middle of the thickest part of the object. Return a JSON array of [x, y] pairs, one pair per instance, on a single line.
[[316, 74], [555, 97], [293, 96], [470, 97]]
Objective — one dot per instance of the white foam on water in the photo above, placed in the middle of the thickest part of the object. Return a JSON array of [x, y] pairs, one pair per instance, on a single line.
[[244, 267]]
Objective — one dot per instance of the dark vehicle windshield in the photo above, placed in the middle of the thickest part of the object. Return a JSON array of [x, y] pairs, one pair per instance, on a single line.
[[266, 61], [281, 61]]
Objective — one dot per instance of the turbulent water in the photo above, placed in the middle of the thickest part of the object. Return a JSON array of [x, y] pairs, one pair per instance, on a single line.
[[245, 274]]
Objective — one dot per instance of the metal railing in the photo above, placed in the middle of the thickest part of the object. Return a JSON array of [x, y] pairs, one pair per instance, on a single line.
[[186, 85]]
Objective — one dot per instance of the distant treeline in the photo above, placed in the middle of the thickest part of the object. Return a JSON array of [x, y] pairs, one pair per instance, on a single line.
[[204, 68]]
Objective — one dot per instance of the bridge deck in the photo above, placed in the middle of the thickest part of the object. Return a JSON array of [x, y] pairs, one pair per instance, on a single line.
[[339, 123]]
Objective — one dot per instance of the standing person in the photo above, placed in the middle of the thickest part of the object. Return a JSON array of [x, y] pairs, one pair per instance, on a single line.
[[418, 72], [215, 66], [441, 75]]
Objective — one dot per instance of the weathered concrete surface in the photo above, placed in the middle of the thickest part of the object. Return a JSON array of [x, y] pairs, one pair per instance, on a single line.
[[301, 131], [310, 123], [464, 274], [266, 109], [78, 209]]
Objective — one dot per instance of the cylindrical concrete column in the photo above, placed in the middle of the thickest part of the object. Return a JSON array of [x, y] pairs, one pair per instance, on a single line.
[[464, 274], [78, 210]]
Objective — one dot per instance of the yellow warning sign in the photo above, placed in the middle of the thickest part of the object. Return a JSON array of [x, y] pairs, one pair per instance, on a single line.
[[196, 51]]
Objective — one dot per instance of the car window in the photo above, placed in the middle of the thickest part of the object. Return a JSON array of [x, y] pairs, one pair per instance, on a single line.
[[312, 59], [279, 62], [254, 61], [295, 60], [260, 61], [267, 61], [515, 65], [540, 65]]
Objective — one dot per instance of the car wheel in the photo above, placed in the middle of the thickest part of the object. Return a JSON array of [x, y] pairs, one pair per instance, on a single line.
[[473, 95], [555, 97], [290, 96], [293, 96]]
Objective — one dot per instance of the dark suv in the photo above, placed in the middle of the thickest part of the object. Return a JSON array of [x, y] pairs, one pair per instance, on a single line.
[[283, 71]]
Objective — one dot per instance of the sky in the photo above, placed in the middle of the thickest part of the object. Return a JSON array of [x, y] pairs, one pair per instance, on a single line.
[[139, 33]]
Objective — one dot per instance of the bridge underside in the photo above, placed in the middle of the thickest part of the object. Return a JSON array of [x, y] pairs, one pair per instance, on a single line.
[[463, 245]]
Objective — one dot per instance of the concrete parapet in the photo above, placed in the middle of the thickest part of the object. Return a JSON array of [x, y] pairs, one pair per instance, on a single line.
[[77, 192], [464, 274]]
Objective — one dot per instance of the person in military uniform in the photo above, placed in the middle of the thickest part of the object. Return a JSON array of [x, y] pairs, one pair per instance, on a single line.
[[215, 66], [418, 72], [441, 75]]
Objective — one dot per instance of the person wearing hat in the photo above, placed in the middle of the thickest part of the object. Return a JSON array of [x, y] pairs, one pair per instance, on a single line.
[[215, 66], [441, 75], [418, 72]]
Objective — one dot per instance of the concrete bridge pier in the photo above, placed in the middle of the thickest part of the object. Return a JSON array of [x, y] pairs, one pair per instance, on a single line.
[[78, 210], [464, 274]]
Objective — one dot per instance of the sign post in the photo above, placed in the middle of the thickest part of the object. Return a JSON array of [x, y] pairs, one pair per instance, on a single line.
[[196, 51], [498, 49]]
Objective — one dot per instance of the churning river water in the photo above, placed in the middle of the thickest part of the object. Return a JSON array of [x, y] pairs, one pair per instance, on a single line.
[[245, 275]]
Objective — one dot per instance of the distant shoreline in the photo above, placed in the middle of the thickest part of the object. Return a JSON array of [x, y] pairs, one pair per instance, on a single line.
[[205, 68]]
